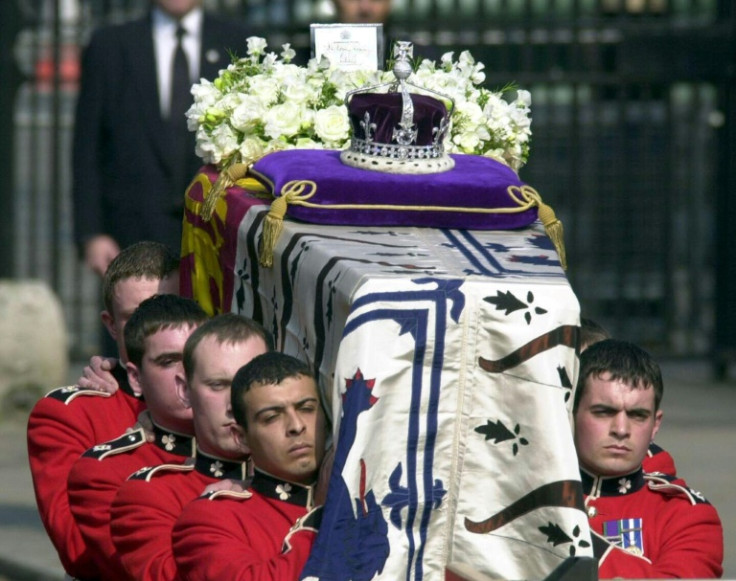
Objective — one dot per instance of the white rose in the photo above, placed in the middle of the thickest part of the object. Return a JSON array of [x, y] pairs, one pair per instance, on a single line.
[[251, 150], [247, 115], [468, 114], [266, 88], [297, 91], [331, 124], [282, 120]]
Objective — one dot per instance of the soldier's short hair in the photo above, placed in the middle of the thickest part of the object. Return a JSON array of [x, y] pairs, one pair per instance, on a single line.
[[146, 259], [591, 332], [620, 361], [267, 369], [155, 314], [225, 328]]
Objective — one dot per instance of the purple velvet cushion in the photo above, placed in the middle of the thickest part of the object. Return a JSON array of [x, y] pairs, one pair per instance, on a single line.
[[475, 182]]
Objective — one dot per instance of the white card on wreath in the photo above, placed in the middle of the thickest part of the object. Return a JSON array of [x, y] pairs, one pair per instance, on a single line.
[[349, 46]]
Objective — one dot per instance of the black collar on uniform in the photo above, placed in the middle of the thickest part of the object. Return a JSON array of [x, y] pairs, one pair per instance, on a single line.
[[215, 467], [611, 485], [291, 492], [174, 443]]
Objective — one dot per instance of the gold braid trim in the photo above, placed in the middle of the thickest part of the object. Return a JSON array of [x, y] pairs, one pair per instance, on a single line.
[[227, 178], [291, 193], [546, 214]]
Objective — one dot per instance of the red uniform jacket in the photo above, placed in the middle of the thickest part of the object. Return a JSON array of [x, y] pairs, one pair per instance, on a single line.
[[265, 533], [147, 505], [96, 476], [61, 426], [647, 526]]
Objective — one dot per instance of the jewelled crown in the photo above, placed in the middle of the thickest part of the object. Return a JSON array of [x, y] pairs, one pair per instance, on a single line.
[[398, 132]]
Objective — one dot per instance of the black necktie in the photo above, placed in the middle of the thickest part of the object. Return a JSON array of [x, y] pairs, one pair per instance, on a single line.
[[180, 82], [181, 100]]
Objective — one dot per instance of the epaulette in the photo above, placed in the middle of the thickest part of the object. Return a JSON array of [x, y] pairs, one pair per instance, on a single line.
[[669, 484], [128, 441], [67, 394], [148, 472], [217, 494]]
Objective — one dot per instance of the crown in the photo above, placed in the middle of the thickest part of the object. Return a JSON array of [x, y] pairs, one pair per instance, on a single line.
[[398, 132]]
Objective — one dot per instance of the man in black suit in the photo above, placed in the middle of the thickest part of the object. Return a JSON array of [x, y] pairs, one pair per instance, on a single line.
[[133, 156]]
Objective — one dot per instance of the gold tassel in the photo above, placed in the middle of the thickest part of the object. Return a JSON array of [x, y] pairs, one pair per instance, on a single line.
[[225, 180], [272, 226], [293, 191], [554, 230], [552, 226]]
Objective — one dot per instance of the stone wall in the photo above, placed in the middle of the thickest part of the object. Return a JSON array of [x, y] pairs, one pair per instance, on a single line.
[[33, 342]]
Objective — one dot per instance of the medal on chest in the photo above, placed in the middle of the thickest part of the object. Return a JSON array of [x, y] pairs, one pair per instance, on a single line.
[[626, 533]]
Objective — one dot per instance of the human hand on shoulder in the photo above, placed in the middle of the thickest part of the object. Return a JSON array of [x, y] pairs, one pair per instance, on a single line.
[[98, 375]]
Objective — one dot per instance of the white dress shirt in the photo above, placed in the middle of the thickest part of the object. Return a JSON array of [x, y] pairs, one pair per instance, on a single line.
[[164, 45]]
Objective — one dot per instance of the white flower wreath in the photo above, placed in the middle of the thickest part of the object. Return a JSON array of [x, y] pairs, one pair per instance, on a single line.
[[262, 103]]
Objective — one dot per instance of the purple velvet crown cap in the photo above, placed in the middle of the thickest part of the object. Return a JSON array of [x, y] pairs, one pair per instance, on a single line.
[[385, 110]]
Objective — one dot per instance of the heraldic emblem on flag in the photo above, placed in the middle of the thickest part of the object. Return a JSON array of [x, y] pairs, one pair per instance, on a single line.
[[415, 484]]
